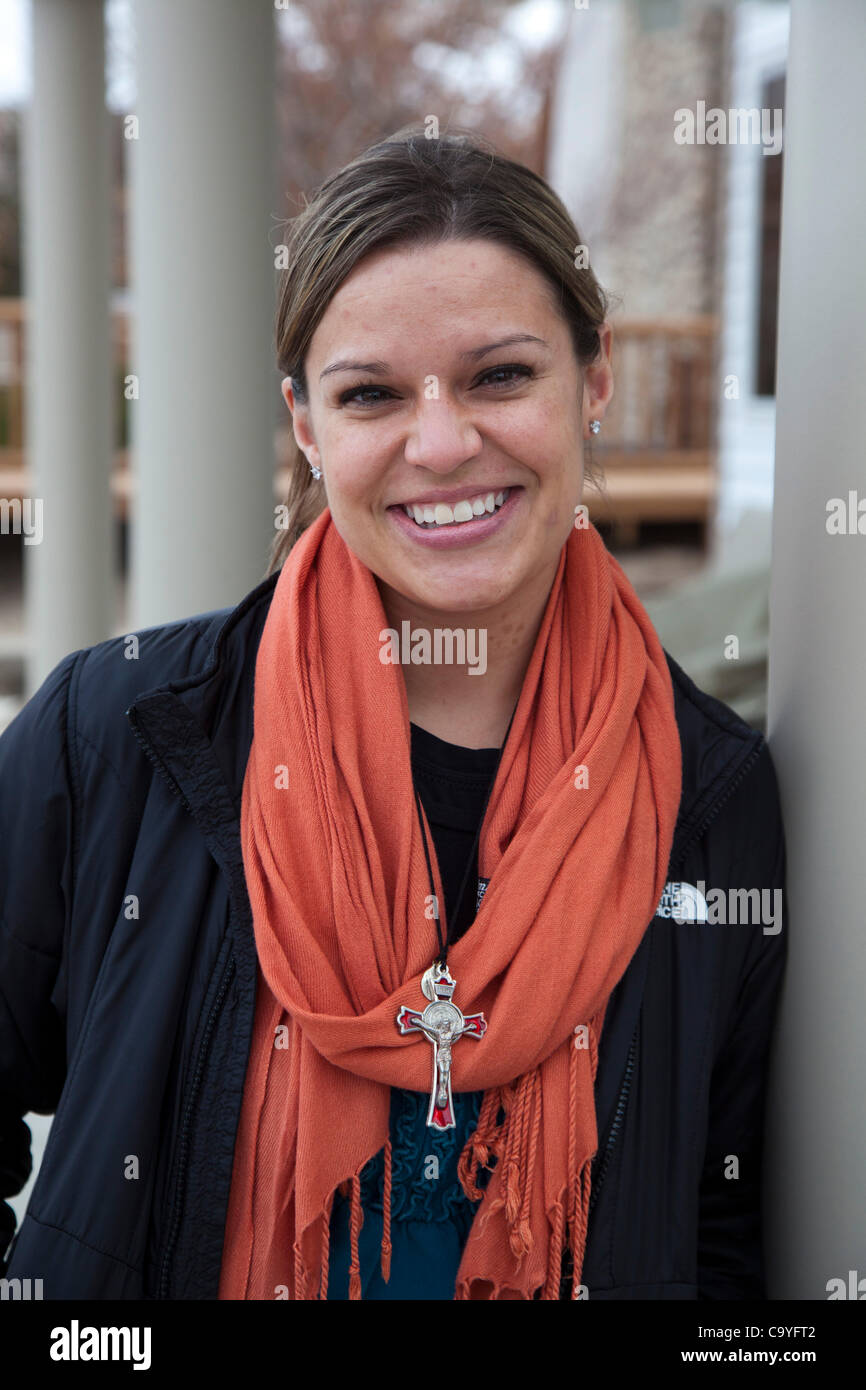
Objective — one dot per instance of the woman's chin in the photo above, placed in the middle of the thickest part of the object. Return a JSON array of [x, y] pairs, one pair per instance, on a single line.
[[459, 594]]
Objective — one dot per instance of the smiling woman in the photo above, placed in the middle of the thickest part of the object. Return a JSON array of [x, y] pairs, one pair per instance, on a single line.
[[415, 434], [450, 1046]]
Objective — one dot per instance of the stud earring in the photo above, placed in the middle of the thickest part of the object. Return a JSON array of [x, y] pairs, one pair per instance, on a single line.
[[316, 472], [595, 426]]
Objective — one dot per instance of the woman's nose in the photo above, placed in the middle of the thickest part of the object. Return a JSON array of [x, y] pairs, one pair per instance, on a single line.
[[441, 436]]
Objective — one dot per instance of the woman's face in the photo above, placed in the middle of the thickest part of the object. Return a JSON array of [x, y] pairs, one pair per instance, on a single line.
[[417, 401]]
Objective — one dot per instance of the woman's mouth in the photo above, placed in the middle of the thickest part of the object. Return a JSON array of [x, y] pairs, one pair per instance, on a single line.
[[457, 523], [486, 503]]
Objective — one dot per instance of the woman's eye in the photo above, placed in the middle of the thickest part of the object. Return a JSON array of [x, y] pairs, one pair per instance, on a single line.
[[352, 394], [514, 370]]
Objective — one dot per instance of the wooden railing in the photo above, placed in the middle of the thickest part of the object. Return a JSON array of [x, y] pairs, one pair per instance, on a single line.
[[657, 444], [656, 447]]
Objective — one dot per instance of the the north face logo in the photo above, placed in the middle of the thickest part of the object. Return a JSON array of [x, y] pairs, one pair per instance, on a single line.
[[683, 902]]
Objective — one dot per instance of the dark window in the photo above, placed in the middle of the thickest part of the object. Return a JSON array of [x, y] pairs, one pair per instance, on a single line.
[[771, 221]]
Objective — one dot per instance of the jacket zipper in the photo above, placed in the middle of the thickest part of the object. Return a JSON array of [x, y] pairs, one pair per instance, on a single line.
[[183, 1145], [619, 1114]]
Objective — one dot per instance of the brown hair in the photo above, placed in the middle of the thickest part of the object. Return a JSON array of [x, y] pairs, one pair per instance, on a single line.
[[411, 190]]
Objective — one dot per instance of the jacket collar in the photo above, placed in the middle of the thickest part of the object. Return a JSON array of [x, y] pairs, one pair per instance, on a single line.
[[198, 733]]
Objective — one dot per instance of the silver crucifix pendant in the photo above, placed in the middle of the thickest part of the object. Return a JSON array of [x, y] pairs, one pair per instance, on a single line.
[[443, 1023]]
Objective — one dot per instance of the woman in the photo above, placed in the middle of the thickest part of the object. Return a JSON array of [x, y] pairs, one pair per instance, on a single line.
[[386, 986]]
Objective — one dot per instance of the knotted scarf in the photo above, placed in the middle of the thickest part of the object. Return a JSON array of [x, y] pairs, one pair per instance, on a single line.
[[575, 843]]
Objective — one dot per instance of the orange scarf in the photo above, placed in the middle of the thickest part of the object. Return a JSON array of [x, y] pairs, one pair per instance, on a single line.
[[338, 885]]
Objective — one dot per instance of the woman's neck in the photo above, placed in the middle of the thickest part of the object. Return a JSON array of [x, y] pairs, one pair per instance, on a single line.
[[469, 701]]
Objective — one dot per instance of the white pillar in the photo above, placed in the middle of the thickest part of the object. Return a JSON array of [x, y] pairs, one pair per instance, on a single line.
[[69, 410], [204, 210], [816, 1157], [588, 97]]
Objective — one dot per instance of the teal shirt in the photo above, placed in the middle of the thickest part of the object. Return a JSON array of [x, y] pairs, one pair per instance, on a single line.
[[430, 1213]]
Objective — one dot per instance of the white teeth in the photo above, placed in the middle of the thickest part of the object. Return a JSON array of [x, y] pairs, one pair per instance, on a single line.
[[423, 514]]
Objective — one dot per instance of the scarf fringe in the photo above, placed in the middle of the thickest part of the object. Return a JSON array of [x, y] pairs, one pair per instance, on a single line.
[[482, 1145], [356, 1221], [300, 1273], [578, 1229], [349, 1187], [514, 1142], [554, 1255], [326, 1251], [579, 1180], [386, 1215]]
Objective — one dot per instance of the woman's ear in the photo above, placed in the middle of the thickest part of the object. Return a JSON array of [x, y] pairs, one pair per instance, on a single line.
[[598, 379], [301, 425]]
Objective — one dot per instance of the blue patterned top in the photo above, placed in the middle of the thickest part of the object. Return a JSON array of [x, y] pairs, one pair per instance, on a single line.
[[430, 1213]]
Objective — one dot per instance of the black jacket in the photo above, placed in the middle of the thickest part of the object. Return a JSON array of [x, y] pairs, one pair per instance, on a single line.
[[127, 986]]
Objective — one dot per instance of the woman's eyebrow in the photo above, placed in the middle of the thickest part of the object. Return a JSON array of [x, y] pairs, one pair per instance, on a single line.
[[472, 354], [380, 368]]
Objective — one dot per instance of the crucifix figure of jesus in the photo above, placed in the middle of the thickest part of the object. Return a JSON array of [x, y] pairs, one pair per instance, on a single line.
[[443, 1024]]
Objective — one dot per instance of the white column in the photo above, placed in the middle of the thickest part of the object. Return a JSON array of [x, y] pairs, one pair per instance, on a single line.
[[816, 1158], [69, 419], [204, 212], [588, 98]]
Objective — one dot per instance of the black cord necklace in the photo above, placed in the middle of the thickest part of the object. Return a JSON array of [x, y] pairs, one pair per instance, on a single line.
[[441, 1022]]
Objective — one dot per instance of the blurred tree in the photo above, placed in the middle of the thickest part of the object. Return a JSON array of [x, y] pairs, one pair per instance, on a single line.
[[350, 74]]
